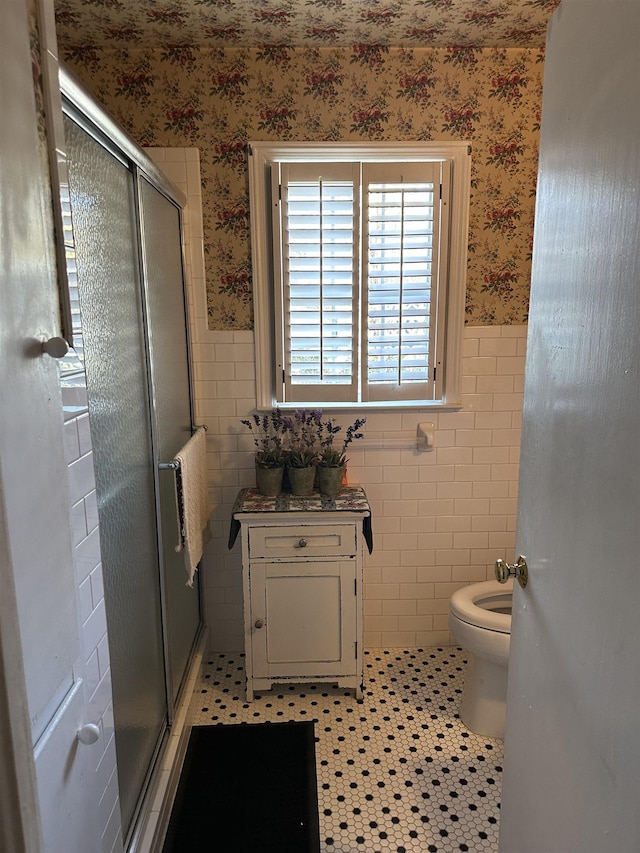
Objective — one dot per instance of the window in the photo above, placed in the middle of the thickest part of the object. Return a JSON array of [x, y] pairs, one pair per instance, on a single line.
[[361, 263]]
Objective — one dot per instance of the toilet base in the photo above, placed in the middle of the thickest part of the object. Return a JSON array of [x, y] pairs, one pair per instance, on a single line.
[[484, 697]]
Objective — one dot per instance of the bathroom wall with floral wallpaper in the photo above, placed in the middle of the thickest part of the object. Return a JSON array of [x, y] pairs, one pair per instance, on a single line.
[[217, 99]]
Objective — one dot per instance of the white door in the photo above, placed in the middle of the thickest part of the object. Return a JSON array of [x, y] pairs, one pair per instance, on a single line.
[[38, 597], [572, 750]]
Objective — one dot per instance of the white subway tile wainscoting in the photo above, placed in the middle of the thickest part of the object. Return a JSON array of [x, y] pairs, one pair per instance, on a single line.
[[440, 518]]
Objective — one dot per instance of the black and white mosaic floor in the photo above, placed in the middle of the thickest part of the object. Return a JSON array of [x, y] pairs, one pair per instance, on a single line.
[[398, 773]]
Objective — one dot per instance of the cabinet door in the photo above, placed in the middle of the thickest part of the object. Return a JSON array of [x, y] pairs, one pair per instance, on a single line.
[[307, 617]]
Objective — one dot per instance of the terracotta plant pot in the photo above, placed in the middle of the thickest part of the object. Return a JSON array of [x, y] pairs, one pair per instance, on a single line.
[[301, 480], [330, 480], [269, 480]]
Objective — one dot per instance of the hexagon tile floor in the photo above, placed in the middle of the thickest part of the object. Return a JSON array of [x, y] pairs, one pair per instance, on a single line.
[[398, 773]]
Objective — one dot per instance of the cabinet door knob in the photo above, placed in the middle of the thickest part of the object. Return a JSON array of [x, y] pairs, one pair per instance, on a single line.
[[259, 623], [302, 543]]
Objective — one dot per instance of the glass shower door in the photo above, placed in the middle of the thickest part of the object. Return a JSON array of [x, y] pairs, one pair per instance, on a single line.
[[170, 381], [104, 217]]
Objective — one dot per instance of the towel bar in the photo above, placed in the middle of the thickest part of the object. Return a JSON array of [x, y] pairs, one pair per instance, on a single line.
[[174, 464]]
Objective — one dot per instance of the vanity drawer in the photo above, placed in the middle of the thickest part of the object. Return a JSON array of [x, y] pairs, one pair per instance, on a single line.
[[330, 540]]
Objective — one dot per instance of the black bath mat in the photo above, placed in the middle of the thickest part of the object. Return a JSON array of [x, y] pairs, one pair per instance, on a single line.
[[247, 787]]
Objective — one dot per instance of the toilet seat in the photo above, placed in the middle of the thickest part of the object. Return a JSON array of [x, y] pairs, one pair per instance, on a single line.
[[477, 605]]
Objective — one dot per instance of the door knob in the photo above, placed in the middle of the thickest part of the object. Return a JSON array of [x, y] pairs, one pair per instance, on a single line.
[[302, 543], [88, 734], [519, 570], [56, 347], [259, 623]]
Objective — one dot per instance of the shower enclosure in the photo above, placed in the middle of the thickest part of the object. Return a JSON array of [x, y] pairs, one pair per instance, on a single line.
[[133, 339]]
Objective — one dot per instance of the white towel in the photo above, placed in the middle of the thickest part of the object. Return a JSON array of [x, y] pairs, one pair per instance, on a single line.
[[193, 501]]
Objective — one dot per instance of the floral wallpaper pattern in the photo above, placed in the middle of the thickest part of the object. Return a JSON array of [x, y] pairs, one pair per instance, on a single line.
[[337, 23], [218, 99]]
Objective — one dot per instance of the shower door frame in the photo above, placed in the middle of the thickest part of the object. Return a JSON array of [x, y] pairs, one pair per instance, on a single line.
[[81, 108]]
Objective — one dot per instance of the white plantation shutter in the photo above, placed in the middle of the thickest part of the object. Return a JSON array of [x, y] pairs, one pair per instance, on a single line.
[[360, 257], [320, 291], [401, 249]]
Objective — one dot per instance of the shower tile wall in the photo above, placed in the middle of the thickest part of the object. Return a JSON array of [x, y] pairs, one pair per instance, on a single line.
[[440, 519], [97, 672]]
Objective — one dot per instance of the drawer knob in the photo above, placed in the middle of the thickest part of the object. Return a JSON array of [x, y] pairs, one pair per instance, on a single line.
[[302, 543], [259, 623]]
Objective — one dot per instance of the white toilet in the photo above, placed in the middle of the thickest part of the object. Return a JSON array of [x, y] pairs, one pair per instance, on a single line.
[[480, 620]]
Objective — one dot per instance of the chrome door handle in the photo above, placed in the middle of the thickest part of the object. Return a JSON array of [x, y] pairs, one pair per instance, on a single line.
[[519, 570]]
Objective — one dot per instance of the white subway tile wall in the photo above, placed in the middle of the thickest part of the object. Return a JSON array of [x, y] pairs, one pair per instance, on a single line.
[[96, 672], [440, 518]]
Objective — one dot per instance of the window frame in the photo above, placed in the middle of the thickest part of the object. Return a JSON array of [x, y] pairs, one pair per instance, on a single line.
[[264, 257]]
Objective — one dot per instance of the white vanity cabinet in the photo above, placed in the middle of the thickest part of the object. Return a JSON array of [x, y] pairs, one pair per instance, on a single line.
[[302, 584]]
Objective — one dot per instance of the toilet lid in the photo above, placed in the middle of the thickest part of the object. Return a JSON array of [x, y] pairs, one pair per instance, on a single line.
[[480, 604]]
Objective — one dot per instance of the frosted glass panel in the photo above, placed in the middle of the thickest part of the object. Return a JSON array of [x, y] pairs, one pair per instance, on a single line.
[[170, 380], [102, 202]]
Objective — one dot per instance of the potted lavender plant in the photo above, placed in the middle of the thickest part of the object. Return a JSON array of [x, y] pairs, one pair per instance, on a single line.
[[268, 432], [332, 461], [302, 452]]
